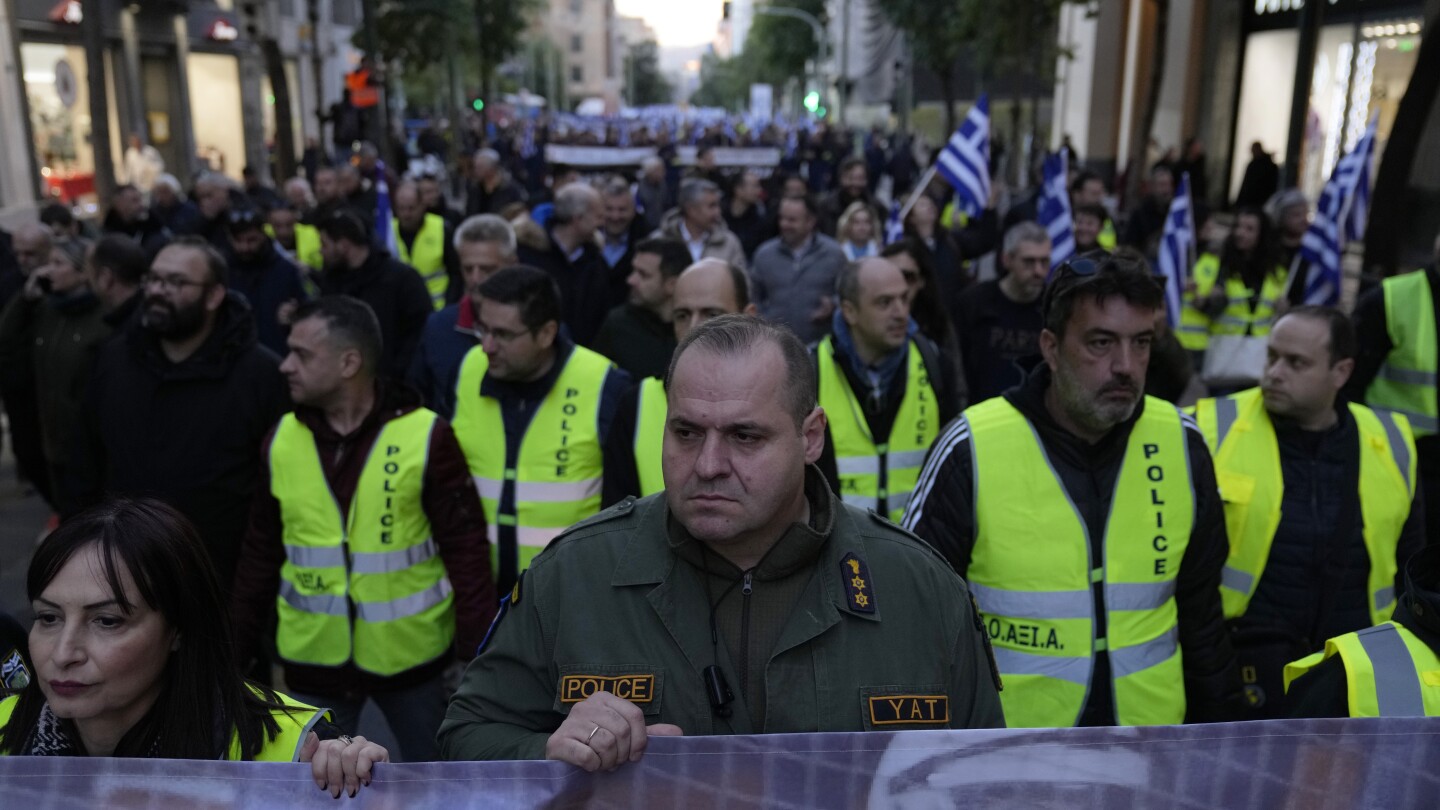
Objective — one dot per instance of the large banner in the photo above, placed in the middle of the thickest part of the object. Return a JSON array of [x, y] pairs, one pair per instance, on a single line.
[[584, 157], [1307, 764]]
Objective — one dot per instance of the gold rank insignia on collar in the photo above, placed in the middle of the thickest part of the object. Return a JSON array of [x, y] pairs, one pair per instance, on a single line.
[[515, 591], [858, 589]]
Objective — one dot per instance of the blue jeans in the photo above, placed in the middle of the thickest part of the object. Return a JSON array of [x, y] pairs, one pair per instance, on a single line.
[[413, 714]]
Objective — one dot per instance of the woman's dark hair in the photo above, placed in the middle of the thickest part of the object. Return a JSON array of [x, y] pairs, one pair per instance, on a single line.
[[1262, 261], [926, 309], [203, 696]]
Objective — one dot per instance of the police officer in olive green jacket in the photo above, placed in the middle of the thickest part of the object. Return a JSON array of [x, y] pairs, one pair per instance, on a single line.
[[744, 599]]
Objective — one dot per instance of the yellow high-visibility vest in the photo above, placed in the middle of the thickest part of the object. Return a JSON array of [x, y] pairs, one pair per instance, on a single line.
[[556, 480], [295, 723], [369, 586], [1239, 317], [1032, 571], [426, 255], [651, 411], [878, 475], [1247, 470], [1405, 383], [1389, 672]]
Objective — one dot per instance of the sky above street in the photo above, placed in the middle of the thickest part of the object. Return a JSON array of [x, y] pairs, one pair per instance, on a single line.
[[676, 24]]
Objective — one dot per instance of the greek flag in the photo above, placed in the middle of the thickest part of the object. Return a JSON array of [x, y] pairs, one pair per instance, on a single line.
[[1053, 209], [1340, 216], [1177, 249], [384, 236], [894, 229], [622, 134], [965, 160], [792, 143]]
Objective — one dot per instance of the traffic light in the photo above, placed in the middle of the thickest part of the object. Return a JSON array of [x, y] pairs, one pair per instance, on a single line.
[[812, 101], [478, 104]]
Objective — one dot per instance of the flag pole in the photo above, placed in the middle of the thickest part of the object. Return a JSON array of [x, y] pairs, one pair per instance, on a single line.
[[1290, 278], [919, 189]]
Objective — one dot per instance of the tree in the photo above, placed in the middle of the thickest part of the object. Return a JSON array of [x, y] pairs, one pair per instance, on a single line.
[[723, 82], [644, 83], [409, 32], [938, 35], [778, 47], [1391, 217], [500, 25]]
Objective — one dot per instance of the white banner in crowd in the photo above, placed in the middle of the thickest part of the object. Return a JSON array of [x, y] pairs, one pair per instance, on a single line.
[[1387, 763], [607, 156]]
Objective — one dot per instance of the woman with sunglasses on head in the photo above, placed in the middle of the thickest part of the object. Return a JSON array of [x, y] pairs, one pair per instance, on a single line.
[[133, 658]]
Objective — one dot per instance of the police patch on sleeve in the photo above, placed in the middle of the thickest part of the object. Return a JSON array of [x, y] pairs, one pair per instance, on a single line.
[[859, 591], [14, 676], [512, 598]]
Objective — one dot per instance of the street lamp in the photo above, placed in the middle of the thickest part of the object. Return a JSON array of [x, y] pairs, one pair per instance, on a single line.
[[815, 26]]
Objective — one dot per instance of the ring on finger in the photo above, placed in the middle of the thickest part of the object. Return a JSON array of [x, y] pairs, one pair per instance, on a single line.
[[592, 734], [347, 739]]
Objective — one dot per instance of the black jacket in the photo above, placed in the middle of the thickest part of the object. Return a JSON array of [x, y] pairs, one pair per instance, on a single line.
[[637, 340], [186, 432], [586, 294], [269, 280], [943, 514], [398, 296], [1315, 584], [880, 418], [148, 232], [1324, 691]]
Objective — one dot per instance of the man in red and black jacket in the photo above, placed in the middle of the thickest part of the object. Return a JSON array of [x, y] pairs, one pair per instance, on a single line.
[[367, 526]]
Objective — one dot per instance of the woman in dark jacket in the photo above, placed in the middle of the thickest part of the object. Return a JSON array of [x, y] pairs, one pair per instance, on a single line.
[[56, 327]]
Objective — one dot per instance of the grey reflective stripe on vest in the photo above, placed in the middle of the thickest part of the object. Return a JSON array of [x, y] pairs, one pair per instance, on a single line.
[[1418, 421], [540, 491], [404, 606], [1032, 604], [315, 556], [1130, 660], [1236, 580], [861, 501], [1398, 449], [1405, 376], [870, 465], [906, 458], [1138, 595], [1384, 597], [858, 465], [1014, 662], [388, 562], [1397, 691], [1226, 412], [323, 604]]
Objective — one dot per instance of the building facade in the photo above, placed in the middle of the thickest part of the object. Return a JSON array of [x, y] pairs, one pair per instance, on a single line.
[[1230, 77], [187, 77], [583, 31]]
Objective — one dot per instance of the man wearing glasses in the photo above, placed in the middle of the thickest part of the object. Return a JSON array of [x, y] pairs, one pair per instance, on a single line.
[[1085, 518], [180, 401], [532, 411]]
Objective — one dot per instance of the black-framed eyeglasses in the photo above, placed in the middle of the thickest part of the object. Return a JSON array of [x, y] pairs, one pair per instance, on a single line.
[[170, 284]]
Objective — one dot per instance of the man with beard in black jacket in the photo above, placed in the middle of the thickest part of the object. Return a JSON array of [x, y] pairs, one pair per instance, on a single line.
[[179, 403], [1094, 546], [397, 294]]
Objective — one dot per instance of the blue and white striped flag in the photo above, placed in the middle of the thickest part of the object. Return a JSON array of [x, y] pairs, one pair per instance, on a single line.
[[1177, 249], [622, 133], [1340, 216], [792, 142], [384, 235], [1053, 209], [894, 228], [965, 160]]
